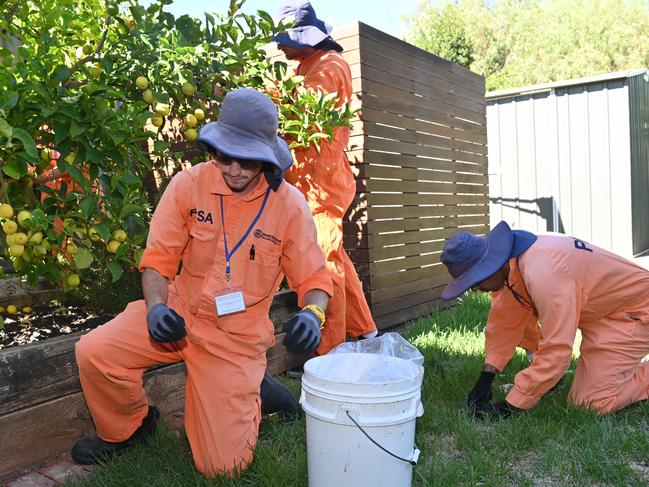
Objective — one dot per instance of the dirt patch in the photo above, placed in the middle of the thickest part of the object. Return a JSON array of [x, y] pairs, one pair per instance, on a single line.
[[45, 322]]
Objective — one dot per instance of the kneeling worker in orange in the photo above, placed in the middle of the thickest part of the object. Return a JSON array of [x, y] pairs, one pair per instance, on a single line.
[[324, 175], [566, 284], [237, 227]]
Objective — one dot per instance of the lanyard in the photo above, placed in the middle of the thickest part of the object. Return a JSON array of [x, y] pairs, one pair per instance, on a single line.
[[228, 255]]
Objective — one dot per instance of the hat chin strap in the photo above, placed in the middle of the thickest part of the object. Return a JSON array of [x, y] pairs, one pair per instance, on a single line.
[[274, 180]]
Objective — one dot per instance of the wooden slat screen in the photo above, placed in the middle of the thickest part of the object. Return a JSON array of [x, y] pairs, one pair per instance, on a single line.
[[419, 152]]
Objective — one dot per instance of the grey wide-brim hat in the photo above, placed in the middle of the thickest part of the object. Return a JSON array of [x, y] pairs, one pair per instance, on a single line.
[[470, 259], [307, 30], [247, 129]]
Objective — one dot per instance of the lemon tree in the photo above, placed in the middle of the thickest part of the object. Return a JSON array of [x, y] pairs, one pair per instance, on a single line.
[[94, 96]]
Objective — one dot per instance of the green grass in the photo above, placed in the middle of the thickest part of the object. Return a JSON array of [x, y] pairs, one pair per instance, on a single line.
[[552, 445]]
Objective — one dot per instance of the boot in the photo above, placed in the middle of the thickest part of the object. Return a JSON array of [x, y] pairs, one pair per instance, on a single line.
[[275, 398], [92, 450]]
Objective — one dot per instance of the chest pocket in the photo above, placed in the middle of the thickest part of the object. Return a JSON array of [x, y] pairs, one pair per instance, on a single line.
[[261, 274], [201, 248]]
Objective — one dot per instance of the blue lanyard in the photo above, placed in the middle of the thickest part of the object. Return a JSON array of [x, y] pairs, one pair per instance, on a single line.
[[228, 255]]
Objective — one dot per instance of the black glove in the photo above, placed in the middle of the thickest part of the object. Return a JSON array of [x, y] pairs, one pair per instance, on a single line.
[[500, 409], [302, 332], [165, 325], [480, 395]]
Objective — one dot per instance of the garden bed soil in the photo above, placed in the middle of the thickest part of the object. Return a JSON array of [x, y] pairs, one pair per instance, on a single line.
[[46, 321]]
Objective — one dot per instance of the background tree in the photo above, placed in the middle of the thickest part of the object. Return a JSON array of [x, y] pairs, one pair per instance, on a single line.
[[521, 42]]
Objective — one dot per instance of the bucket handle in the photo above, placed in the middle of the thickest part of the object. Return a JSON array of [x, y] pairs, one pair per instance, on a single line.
[[413, 459]]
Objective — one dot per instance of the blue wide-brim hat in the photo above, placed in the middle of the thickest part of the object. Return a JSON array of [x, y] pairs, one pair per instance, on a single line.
[[307, 30], [247, 129], [470, 259]]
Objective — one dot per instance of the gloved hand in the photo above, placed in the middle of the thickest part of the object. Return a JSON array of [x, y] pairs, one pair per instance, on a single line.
[[165, 325], [500, 409], [302, 332], [480, 395]]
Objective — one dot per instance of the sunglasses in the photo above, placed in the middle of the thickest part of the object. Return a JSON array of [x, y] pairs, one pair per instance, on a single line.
[[246, 164]]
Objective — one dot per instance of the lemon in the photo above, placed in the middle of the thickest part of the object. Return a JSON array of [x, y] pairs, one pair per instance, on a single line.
[[141, 82], [71, 249], [6, 210], [45, 154], [95, 71], [9, 227], [147, 96], [199, 114], [112, 246], [157, 121], [11, 309], [73, 280], [27, 309], [22, 216], [188, 89], [119, 235], [71, 157], [93, 235], [36, 238], [191, 134], [162, 109], [190, 120], [16, 250], [20, 238]]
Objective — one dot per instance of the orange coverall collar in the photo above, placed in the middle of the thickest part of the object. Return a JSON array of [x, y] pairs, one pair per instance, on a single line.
[[219, 186]]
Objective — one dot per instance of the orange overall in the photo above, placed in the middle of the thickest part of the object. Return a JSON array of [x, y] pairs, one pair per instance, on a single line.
[[568, 284], [225, 356], [326, 180]]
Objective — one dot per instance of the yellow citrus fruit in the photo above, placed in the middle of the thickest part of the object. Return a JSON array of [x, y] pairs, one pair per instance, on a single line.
[[190, 121], [162, 109], [191, 134], [26, 255], [27, 309], [93, 235], [199, 114], [71, 249], [16, 250], [9, 227], [39, 250], [157, 121], [71, 157], [188, 89], [20, 238], [147, 96], [22, 216], [45, 154], [36, 238], [141, 82], [112, 246], [6, 211], [95, 71], [11, 309], [2, 309], [87, 49], [11, 239], [73, 280], [119, 235]]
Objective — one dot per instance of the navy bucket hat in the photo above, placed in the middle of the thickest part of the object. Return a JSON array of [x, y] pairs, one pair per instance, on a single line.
[[247, 129], [307, 29], [471, 259]]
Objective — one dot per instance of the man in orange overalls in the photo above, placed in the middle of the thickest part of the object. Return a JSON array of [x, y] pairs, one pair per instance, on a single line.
[[566, 284], [237, 228], [324, 176]]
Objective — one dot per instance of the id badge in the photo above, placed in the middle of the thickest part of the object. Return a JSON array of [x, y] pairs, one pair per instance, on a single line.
[[229, 301]]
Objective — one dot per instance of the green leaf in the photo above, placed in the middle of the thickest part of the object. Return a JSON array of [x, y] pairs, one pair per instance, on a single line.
[[27, 141], [61, 130], [87, 205], [83, 259], [76, 129], [60, 73], [12, 101], [115, 270], [128, 209], [103, 231], [5, 129], [14, 168]]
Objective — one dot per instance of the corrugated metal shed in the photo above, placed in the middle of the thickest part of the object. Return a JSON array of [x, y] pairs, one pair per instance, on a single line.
[[573, 157]]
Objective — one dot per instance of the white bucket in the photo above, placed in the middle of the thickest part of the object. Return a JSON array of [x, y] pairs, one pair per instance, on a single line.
[[382, 394]]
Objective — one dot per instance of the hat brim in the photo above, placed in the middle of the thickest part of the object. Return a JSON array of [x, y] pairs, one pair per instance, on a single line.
[[499, 246], [238, 145], [523, 240], [301, 37]]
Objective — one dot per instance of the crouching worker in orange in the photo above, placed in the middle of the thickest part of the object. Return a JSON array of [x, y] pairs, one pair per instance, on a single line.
[[237, 227], [566, 284]]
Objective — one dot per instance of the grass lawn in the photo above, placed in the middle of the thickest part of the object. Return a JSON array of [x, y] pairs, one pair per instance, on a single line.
[[553, 445]]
